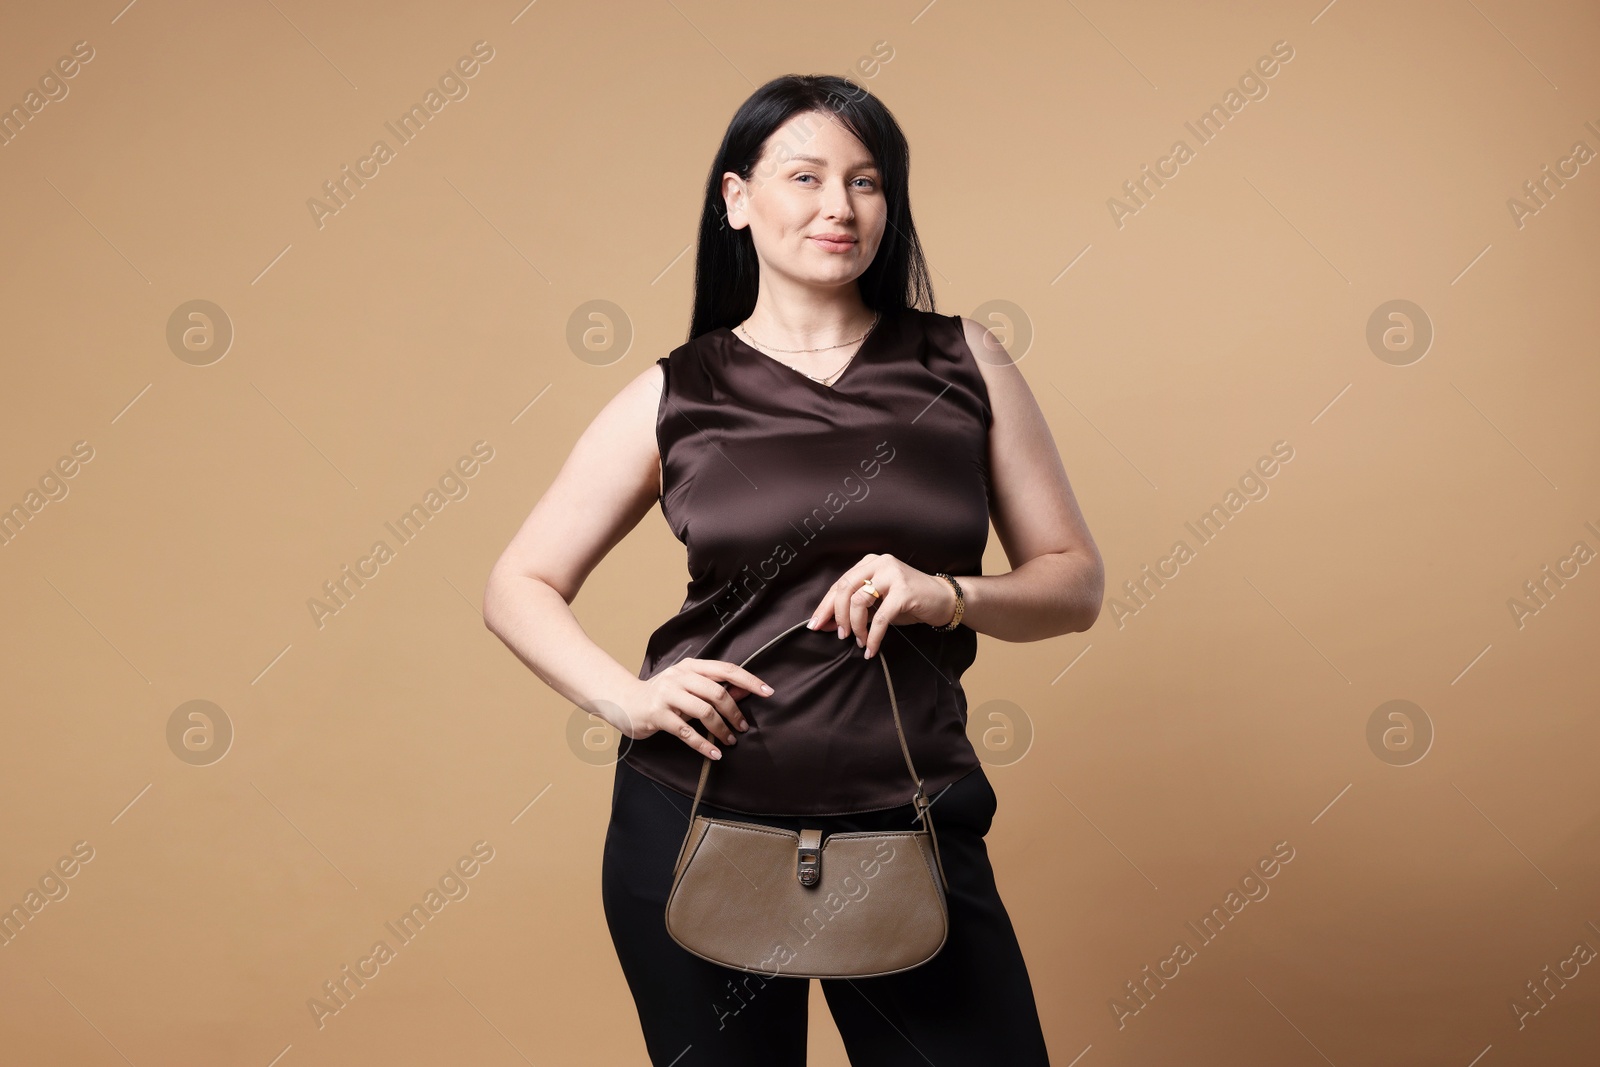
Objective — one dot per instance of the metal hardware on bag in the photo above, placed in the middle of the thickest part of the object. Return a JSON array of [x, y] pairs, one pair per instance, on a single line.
[[810, 861]]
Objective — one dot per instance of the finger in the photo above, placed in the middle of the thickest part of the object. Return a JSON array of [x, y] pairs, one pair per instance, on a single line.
[[690, 736], [822, 614], [881, 620], [863, 608], [715, 707], [716, 724], [722, 670], [841, 605], [859, 606], [745, 682]]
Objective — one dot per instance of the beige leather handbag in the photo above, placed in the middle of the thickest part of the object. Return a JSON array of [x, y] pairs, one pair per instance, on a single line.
[[774, 901]]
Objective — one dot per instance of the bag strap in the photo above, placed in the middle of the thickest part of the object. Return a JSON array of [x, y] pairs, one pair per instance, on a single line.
[[919, 799]]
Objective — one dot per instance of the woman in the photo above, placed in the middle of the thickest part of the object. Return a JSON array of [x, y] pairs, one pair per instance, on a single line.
[[825, 449]]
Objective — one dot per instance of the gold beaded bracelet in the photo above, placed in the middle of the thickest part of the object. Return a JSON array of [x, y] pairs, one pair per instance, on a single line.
[[961, 602]]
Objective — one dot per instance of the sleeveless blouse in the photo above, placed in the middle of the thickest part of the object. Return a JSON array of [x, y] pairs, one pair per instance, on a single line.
[[776, 485]]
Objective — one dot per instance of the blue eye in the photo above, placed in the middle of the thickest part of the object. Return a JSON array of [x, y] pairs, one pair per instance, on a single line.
[[869, 181]]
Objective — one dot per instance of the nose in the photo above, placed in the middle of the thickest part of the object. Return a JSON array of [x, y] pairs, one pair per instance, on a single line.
[[836, 203]]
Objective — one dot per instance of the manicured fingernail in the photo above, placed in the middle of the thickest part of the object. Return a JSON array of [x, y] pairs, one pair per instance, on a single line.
[[744, 726], [842, 632], [860, 643], [811, 624], [767, 689], [715, 754]]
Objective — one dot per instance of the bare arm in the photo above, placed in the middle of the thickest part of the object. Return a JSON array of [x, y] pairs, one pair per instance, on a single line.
[[1057, 578], [608, 483]]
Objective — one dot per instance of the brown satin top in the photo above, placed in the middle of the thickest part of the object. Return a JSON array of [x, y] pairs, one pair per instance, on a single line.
[[777, 484]]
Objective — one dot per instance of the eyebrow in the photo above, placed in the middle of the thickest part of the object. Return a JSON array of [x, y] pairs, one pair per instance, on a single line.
[[864, 165]]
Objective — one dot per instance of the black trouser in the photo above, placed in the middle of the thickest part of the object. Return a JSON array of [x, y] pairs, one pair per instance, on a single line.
[[971, 1005]]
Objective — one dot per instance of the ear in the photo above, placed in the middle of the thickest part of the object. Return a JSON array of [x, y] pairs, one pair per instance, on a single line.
[[735, 197]]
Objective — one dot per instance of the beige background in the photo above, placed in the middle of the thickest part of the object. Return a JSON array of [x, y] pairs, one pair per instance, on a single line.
[[1167, 755]]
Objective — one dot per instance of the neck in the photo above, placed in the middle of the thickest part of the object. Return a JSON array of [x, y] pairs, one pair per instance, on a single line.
[[809, 324]]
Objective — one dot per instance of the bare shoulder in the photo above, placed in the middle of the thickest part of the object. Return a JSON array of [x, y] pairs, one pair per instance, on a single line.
[[1005, 382], [646, 385], [617, 454], [629, 417], [642, 398], [643, 395], [984, 344], [608, 482], [1032, 503], [1019, 434]]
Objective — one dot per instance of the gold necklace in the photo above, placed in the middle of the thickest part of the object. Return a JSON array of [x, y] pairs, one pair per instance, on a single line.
[[825, 378]]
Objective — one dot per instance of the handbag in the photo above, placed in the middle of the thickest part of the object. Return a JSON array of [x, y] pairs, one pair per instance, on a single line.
[[770, 900]]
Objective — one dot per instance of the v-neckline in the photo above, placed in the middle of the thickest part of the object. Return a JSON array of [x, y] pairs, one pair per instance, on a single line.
[[861, 351]]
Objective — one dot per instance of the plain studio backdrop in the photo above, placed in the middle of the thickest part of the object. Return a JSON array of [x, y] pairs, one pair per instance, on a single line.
[[1339, 346]]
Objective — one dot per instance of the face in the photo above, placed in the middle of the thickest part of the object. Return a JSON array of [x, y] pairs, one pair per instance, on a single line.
[[814, 181]]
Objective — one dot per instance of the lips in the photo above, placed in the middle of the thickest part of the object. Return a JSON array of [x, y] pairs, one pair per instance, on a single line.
[[835, 242]]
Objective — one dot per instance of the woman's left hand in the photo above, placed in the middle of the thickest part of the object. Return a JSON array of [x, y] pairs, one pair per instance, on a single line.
[[906, 595]]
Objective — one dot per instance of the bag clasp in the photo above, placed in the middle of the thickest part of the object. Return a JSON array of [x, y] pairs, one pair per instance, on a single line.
[[809, 869]]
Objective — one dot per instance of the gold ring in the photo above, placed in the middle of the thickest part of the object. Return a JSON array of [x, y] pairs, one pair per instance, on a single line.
[[866, 584]]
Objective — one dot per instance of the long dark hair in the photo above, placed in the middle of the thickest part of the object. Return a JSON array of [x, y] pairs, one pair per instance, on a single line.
[[727, 273]]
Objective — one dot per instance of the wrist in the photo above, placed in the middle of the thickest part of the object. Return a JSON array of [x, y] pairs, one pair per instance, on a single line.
[[957, 601]]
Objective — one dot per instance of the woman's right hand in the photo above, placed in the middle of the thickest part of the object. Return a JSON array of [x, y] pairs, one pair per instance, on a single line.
[[692, 689]]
